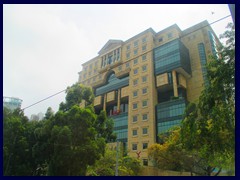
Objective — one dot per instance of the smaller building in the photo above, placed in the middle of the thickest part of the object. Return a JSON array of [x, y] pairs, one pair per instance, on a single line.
[[12, 103]]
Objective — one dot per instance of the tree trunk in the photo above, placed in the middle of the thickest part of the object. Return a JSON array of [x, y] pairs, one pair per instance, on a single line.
[[218, 172]]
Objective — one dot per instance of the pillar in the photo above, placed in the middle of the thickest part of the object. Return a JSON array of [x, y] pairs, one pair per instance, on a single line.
[[175, 90], [119, 99], [104, 102]]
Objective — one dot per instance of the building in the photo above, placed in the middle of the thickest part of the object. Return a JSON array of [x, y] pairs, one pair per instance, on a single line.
[[12, 103], [145, 82], [37, 117]]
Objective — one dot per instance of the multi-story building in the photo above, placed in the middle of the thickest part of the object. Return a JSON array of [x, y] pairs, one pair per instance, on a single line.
[[12, 103], [145, 83]]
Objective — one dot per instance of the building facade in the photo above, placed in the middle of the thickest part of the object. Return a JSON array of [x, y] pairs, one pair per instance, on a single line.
[[145, 83], [12, 103]]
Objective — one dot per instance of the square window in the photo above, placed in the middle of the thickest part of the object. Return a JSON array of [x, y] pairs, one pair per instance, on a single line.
[[144, 90], [145, 145], [160, 39], [128, 47], [134, 132], [169, 35], [135, 82], [145, 117], [144, 103], [144, 131], [135, 71], [144, 40], [128, 55], [135, 105], [135, 61], [144, 68], [127, 64], [135, 52], [144, 57], [145, 162], [135, 43], [135, 93], [134, 147], [144, 79], [144, 48], [135, 118], [119, 68]]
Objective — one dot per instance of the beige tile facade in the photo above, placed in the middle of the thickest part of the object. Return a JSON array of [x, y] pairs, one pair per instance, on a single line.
[[136, 60]]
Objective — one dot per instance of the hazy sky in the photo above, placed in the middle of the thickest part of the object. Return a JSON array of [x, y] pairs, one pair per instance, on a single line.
[[45, 45]]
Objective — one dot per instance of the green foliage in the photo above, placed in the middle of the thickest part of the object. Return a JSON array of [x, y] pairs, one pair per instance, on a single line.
[[209, 126], [75, 94], [62, 144], [106, 165], [206, 140], [17, 142]]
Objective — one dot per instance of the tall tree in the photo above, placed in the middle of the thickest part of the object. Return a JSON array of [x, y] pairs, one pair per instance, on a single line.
[[209, 126], [76, 136]]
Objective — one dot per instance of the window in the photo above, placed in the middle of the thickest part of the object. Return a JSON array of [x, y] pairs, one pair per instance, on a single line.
[[128, 47], [84, 76], [135, 94], [119, 68], [95, 71], [135, 52], [169, 35], [144, 68], [90, 66], [144, 131], [170, 79], [145, 146], [135, 105], [144, 91], [135, 71], [135, 61], [135, 43], [134, 147], [144, 79], [145, 162], [134, 132], [89, 73], [144, 103], [85, 68], [128, 55], [144, 57], [135, 82], [134, 119], [145, 117], [160, 39], [144, 40], [127, 64], [144, 48]]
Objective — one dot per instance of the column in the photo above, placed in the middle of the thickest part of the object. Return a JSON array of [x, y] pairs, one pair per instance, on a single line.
[[104, 101], [175, 90], [119, 99]]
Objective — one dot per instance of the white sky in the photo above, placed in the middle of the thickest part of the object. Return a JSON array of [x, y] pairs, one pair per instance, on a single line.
[[45, 45]]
